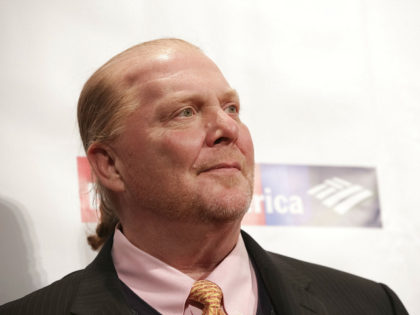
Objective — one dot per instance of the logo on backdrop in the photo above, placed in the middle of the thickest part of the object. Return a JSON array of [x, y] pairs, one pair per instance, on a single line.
[[300, 195], [340, 195], [292, 195]]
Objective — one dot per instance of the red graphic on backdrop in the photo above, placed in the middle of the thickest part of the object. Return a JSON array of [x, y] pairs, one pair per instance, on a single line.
[[254, 216], [86, 193]]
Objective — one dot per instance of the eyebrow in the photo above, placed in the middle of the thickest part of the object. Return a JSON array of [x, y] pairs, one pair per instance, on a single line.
[[229, 94]]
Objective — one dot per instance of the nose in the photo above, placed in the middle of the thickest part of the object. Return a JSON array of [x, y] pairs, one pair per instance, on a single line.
[[221, 129]]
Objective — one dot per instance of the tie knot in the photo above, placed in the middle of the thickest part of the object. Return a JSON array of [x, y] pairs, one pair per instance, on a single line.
[[209, 295]]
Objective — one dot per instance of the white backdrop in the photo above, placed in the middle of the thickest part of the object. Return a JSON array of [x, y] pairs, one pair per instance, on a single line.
[[321, 82]]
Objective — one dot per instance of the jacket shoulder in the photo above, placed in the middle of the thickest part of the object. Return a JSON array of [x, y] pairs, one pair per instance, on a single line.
[[338, 286], [55, 298], [323, 275], [316, 271]]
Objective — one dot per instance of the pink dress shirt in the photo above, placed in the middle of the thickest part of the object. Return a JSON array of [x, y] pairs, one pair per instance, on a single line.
[[166, 289]]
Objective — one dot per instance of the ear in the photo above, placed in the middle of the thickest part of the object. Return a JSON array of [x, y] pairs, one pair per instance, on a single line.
[[102, 160]]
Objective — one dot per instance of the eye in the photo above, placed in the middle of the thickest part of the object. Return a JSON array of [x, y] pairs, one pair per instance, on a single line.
[[231, 109], [186, 112]]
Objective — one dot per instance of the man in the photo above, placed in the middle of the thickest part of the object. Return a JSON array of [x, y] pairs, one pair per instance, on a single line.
[[174, 169]]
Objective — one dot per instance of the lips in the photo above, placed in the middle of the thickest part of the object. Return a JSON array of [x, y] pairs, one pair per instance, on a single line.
[[221, 166]]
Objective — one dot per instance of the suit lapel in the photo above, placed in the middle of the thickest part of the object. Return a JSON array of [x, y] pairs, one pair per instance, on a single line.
[[289, 291], [99, 289]]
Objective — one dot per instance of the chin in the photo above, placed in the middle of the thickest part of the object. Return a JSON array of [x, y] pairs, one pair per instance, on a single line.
[[205, 204], [227, 208]]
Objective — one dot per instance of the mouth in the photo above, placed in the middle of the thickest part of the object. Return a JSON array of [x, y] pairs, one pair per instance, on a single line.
[[222, 167]]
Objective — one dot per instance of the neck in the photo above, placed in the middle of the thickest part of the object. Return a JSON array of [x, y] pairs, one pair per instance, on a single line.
[[193, 248]]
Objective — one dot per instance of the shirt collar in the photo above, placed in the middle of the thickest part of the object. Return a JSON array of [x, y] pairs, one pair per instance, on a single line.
[[152, 279]]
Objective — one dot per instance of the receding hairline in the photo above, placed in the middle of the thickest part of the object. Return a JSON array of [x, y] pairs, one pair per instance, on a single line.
[[149, 49]]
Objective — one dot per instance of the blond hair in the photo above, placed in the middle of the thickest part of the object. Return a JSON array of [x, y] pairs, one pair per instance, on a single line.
[[103, 107]]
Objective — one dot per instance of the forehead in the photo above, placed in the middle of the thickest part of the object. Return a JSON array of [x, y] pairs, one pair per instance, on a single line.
[[173, 70]]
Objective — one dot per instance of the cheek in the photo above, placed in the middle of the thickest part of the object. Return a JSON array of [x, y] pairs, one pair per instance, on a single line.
[[181, 146], [245, 144]]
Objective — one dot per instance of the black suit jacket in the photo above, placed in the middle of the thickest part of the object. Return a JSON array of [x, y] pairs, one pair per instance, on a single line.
[[294, 288]]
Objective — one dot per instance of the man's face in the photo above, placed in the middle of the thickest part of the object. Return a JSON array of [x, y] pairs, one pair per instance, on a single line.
[[184, 153]]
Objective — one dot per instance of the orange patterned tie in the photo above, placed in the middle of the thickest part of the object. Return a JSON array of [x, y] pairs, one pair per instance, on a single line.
[[209, 295]]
